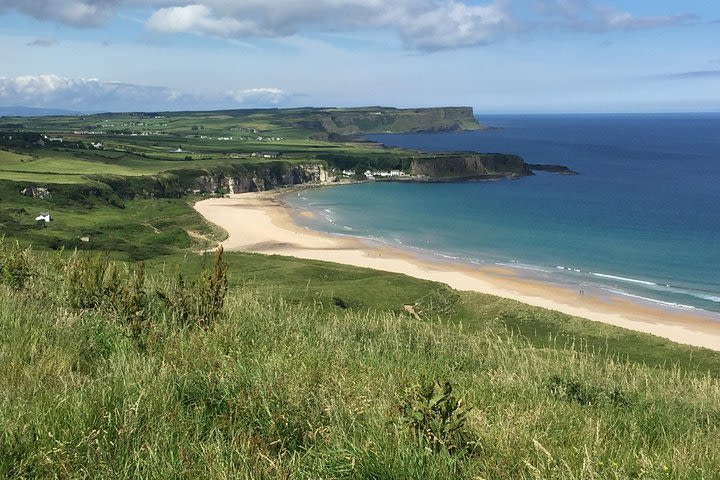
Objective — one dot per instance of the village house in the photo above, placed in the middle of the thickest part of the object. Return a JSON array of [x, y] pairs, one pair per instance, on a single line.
[[44, 217], [266, 154], [391, 173]]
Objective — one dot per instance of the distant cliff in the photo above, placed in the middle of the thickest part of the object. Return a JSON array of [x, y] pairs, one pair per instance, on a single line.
[[338, 122], [460, 166]]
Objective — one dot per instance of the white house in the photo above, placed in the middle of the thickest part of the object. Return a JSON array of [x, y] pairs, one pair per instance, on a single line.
[[44, 216]]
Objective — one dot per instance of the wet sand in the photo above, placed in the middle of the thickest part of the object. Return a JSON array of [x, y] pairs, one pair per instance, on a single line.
[[262, 223]]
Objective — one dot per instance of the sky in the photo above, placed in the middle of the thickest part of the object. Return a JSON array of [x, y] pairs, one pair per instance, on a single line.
[[498, 56]]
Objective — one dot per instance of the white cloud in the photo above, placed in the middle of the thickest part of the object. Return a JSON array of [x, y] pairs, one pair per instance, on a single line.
[[200, 19], [421, 24], [73, 12], [255, 96], [76, 93], [457, 25], [90, 94], [614, 19], [585, 15], [42, 42]]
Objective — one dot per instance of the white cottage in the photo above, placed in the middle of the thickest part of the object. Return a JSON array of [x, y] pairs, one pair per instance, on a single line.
[[44, 216]]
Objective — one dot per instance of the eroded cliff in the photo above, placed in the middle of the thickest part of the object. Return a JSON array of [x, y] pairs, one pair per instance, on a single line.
[[469, 166]]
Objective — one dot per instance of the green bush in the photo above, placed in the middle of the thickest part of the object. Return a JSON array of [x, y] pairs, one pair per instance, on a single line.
[[15, 267], [575, 391], [199, 302], [134, 304], [437, 419], [91, 281]]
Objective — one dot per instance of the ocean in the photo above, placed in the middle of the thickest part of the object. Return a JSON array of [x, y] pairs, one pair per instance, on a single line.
[[642, 218]]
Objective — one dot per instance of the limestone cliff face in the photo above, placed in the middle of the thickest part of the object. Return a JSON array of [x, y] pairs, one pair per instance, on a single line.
[[470, 165], [229, 179], [260, 178]]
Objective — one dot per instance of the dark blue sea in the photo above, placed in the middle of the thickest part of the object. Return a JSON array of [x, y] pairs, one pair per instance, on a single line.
[[641, 219]]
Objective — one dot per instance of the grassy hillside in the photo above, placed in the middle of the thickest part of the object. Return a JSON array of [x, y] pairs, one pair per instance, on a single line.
[[133, 229], [283, 382]]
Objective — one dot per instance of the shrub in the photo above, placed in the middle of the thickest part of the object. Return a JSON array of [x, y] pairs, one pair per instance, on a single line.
[[133, 305], [339, 302], [91, 281], [202, 301], [575, 391], [437, 420], [214, 286], [15, 267]]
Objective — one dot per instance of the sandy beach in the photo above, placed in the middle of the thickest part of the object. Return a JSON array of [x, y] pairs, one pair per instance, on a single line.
[[262, 223]]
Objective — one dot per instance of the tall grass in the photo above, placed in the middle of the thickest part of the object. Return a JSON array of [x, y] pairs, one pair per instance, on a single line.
[[272, 389]]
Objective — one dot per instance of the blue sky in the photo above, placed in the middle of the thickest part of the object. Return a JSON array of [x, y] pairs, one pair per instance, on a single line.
[[501, 56]]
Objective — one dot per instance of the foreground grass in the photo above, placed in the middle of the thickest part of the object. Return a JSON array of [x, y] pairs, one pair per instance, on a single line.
[[299, 388]]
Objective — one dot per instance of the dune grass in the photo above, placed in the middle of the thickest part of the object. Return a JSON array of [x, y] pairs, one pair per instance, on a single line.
[[290, 385]]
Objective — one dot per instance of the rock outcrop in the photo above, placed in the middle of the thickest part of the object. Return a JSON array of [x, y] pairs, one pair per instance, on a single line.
[[559, 169], [238, 178], [37, 192], [467, 166], [274, 175]]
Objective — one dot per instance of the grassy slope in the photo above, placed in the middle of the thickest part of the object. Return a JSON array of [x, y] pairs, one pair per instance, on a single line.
[[314, 282], [137, 229], [289, 386]]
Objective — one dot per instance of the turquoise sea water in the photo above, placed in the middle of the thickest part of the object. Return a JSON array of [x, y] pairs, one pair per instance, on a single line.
[[642, 218]]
